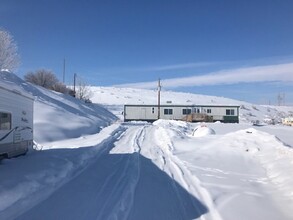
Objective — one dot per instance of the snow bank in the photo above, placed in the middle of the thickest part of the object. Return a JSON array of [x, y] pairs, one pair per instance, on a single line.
[[202, 130], [245, 169], [274, 156], [179, 127], [43, 172]]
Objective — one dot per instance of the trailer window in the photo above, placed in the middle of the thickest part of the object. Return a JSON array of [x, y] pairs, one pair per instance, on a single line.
[[230, 112], [196, 110], [209, 110], [168, 111], [5, 121], [186, 111]]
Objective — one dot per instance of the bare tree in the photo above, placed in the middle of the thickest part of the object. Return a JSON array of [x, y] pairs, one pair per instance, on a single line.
[[83, 91], [42, 77], [60, 87], [9, 58]]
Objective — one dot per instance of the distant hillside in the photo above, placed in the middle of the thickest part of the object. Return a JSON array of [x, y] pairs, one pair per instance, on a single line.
[[115, 98], [58, 116]]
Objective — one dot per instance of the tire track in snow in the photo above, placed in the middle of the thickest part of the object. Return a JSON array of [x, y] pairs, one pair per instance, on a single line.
[[87, 195], [130, 175], [122, 183], [28, 206], [150, 193], [178, 171]]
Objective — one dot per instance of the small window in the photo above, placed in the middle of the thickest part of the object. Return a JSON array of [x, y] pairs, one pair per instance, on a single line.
[[186, 111], [196, 110], [168, 111], [5, 121], [153, 110], [209, 110], [230, 112]]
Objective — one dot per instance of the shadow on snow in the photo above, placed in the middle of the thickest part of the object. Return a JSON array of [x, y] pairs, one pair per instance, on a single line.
[[115, 186]]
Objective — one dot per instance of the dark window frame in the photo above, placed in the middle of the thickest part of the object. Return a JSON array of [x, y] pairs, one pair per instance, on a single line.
[[186, 111], [230, 111], [168, 111], [5, 121], [196, 110]]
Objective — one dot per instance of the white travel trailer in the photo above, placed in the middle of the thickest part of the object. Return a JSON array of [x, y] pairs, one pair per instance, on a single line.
[[16, 121], [192, 113], [288, 121]]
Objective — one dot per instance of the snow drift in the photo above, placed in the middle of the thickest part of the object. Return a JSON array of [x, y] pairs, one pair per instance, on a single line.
[[58, 116], [202, 130]]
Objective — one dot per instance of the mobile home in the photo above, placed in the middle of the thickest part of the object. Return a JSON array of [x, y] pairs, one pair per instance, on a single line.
[[192, 113], [16, 121]]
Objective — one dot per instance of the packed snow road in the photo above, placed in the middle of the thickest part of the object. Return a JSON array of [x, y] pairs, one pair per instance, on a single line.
[[122, 183], [153, 171]]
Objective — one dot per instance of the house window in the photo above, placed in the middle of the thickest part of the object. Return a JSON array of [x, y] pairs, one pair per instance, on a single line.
[[230, 112], [186, 111], [196, 110], [168, 111], [153, 110], [209, 110], [5, 121]]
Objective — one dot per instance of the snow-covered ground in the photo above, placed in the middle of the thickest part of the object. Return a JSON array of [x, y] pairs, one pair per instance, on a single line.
[[94, 167]]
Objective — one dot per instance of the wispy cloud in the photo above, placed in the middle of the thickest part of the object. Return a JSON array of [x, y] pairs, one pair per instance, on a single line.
[[269, 73], [143, 69], [177, 66]]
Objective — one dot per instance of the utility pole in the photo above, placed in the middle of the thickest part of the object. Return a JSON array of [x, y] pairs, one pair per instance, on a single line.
[[281, 99], [63, 70], [159, 97], [74, 82]]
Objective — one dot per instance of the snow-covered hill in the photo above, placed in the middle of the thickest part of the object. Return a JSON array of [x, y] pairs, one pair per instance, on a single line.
[[115, 98], [58, 116]]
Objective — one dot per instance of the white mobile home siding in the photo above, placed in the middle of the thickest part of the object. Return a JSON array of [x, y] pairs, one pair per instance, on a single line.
[[219, 112], [140, 112], [150, 112], [16, 139]]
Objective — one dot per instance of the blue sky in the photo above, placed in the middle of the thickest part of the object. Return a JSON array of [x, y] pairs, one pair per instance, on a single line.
[[136, 42]]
